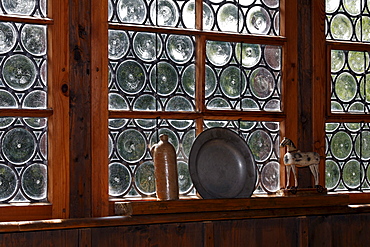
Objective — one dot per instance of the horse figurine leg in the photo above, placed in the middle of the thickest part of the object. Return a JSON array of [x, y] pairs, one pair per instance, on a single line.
[[289, 168], [315, 172]]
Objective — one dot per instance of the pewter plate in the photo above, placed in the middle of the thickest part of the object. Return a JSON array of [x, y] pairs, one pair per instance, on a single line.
[[221, 165]]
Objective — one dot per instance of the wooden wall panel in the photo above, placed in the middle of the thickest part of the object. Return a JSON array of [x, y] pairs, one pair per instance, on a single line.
[[181, 234], [257, 232], [59, 238]]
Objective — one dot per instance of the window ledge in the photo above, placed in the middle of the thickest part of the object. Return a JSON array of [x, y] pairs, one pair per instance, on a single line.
[[131, 208]]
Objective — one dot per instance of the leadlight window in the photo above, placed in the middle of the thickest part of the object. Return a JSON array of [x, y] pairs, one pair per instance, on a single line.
[[23, 91], [172, 72], [347, 137]]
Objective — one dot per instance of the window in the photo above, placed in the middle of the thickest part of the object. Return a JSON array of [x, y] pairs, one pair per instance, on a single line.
[[32, 108], [347, 125], [179, 67]]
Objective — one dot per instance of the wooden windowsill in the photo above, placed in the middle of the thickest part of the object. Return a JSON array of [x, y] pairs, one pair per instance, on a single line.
[[199, 210]]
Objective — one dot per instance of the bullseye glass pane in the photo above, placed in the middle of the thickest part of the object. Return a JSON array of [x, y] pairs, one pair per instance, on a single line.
[[347, 156], [350, 81], [23, 166], [244, 16], [347, 20], [31, 8], [131, 164], [263, 141], [251, 82], [23, 59], [152, 71]]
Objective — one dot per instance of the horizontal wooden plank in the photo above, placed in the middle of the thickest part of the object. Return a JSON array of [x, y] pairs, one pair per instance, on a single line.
[[24, 226], [14, 212], [216, 205], [26, 112]]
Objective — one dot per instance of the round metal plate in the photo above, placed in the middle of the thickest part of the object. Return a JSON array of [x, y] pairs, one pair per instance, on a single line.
[[221, 165]]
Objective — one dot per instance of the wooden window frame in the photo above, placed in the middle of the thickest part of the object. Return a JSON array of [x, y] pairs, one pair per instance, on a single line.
[[321, 90]]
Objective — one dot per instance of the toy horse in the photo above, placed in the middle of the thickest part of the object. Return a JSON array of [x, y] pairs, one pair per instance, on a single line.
[[295, 158]]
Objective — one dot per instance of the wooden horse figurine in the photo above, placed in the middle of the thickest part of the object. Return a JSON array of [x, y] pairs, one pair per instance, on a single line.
[[295, 158]]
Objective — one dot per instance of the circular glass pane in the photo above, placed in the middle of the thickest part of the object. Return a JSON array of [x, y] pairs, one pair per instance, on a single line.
[[131, 77], [353, 7], [272, 105], [44, 145], [188, 15], [262, 83], [8, 182], [117, 102], [117, 123], [354, 127], [34, 181], [341, 145], [185, 182], [188, 80], [19, 72], [7, 100], [230, 18], [270, 177], [341, 27], [357, 107], [363, 145], [6, 122], [35, 100], [164, 78], [33, 39], [180, 124], [172, 138], [273, 56], [362, 27], [119, 179], [250, 54], [356, 61], [146, 123], [146, 102], [331, 5], [271, 3], [258, 20], [24, 7], [178, 103], [18, 145], [145, 178], [131, 145], [345, 87], [36, 123], [8, 37], [164, 13], [337, 60], [187, 142], [145, 46], [132, 11], [249, 104], [232, 82], [260, 144], [218, 104], [352, 174], [332, 174], [118, 44], [218, 53], [180, 48]]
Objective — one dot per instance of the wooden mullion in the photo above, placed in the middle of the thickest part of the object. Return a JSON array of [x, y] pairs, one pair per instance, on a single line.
[[320, 82], [58, 100], [99, 108], [289, 125]]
